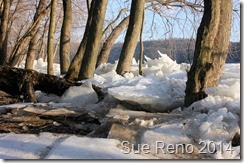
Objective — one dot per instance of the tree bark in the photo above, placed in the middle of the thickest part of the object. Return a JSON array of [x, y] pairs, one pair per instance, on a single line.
[[132, 34], [41, 50], [3, 31], [114, 21], [108, 44], [50, 44], [93, 43], [141, 45], [65, 37], [211, 49], [24, 40], [31, 54], [221, 44], [75, 65]]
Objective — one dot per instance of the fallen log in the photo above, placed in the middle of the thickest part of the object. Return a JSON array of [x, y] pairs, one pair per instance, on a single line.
[[17, 82]]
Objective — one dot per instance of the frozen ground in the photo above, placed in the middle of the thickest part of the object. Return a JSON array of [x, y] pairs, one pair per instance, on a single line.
[[211, 123], [49, 146]]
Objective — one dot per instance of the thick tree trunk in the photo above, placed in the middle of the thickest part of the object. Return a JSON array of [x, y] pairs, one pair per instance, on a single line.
[[75, 65], [132, 34], [211, 49], [108, 44], [3, 32], [93, 43], [50, 44], [221, 43], [65, 37]]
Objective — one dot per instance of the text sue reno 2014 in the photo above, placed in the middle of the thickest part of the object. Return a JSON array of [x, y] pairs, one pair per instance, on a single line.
[[209, 147]]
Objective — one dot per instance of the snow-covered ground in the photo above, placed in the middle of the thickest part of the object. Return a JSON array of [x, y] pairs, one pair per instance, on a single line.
[[208, 126]]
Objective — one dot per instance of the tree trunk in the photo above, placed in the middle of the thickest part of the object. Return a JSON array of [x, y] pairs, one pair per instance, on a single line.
[[41, 50], [93, 43], [75, 65], [141, 45], [3, 32], [88, 6], [211, 49], [221, 43], [50, 46], [108, 44], [31, 54], [24, 40], [133, 31], [65, 37], [114, 21]]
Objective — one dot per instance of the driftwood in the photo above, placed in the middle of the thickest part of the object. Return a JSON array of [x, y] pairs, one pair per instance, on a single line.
[[17, 82]]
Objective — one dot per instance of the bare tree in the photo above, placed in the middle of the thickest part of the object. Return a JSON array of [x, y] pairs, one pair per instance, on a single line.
[[108, 44], [65, 37], [141, 45], [32, 49], [133, 31], [89, 46], [50, 46], [211, 49], [93, 43], [3, 31], [75, 65], [23, 41], [42, 43]]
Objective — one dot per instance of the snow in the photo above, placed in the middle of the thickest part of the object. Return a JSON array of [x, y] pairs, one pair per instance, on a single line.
[[161, 89], [22, 146], [170, 134], [78, 148], [50, 146]]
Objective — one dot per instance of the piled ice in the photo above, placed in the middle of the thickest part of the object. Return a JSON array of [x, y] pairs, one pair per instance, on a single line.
[[161, 66], [161, 88], [41, 66], [214, 119]]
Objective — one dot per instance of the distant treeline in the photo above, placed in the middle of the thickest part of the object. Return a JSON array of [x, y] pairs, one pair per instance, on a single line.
[[180, 50]]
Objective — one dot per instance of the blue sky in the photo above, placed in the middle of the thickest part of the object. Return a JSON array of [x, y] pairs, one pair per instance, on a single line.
[[184, 26]]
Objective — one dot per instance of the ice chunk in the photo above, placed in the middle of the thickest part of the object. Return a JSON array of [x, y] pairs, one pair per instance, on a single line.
[[232, 90], [159, 95], [43, 97], [80, 96], [168, 134], [220, 125], [164, 64], [105, 68]]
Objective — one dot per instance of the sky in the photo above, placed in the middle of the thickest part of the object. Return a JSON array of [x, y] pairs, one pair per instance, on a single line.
[[184, 25]]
